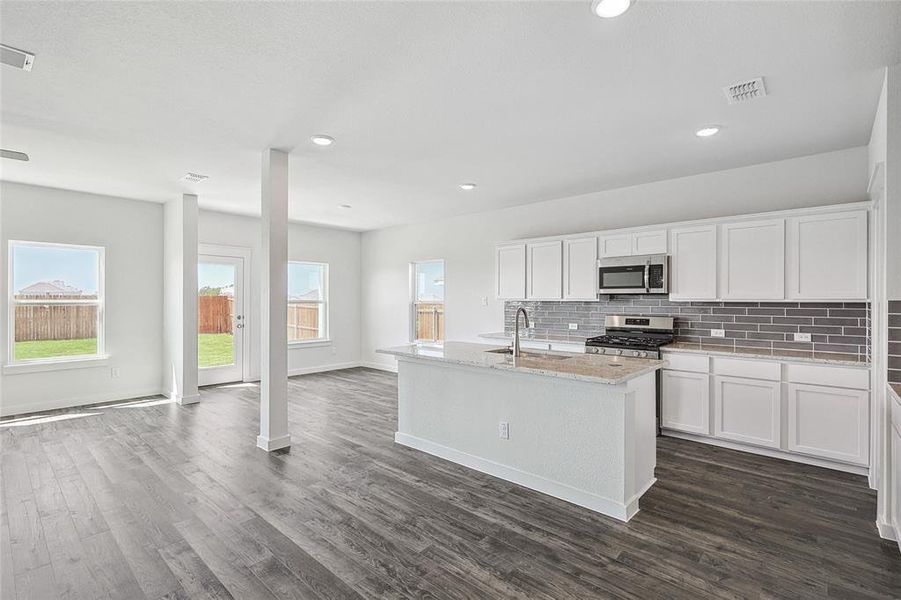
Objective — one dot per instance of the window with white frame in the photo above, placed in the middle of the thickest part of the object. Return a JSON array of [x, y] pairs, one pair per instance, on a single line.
[[427, 286], [55, 302], [307, 302]]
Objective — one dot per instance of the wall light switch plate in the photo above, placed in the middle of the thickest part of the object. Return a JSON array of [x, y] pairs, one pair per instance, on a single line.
[[503, 430], [717, 333], [802, 337], [484, 300], [573, 325], [114, 373]]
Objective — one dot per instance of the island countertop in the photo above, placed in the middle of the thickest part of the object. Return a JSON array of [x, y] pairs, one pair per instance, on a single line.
[[581, 367]]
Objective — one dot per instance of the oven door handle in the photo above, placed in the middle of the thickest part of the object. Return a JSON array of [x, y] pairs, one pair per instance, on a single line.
[[647, 276]]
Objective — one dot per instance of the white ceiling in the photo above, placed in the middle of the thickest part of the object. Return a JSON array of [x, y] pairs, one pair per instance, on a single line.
[[531, 100]]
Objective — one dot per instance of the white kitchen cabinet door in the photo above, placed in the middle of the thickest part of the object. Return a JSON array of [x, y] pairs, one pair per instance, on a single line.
[[829, 422], [693, 263], [619, 244], [510, 262], [895, 445], [580, 271], [752, 265], [827, 256], [649, 242], [747, 410], [544, 270], [685, 402]]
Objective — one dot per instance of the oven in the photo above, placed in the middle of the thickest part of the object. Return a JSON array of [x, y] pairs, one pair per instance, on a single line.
[[647, 274]]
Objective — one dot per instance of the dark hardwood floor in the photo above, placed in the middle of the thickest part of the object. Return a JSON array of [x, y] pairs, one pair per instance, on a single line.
[[153, 500]]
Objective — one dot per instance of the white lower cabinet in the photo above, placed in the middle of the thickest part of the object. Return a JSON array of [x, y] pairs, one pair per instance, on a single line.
[[895, 512], [813, 413], [685, 402], [747, 410], [829, 422]]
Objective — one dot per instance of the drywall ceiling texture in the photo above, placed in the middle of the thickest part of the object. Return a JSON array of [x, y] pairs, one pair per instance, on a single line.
[[531, 100]]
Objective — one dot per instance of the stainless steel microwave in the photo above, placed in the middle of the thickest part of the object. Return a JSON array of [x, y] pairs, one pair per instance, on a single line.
[[647, 274]]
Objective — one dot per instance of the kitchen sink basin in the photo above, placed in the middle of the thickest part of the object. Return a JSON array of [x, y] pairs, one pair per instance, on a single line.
[[541, 355]]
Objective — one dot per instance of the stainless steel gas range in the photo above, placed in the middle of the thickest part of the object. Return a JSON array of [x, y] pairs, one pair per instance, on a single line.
[[634, 336]]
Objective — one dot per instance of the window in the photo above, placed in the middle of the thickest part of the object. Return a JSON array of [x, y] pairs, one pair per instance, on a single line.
[[428, 301], [56, 302], [307, 302]]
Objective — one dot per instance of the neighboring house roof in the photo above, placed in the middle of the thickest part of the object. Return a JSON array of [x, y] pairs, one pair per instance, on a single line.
[[50, 288], [312, 295]]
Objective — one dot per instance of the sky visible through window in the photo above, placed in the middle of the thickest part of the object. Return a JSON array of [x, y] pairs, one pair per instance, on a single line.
[[214, 275], [305, 281], [430, 281], [76, 267]]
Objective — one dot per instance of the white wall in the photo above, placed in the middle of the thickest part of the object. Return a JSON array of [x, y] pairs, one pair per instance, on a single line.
[[340, 249], [466, 242], [132, 233]]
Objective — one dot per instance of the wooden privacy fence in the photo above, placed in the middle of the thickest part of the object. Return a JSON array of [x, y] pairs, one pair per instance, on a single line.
[[215, 314], [303, 322], [36, 322], [429, 321]]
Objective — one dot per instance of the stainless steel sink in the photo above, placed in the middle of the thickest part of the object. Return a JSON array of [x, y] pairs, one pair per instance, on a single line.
[[541, 355]]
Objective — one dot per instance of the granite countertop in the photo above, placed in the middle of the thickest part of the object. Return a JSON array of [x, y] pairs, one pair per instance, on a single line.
[[829, 358], [567, 365], [574, 338]]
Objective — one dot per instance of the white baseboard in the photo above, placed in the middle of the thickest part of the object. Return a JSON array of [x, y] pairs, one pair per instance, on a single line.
[[270, 444], [323, 368], [380, 366], [24, 408], [888, 532], [611, 508], [186, 400], [798, 458]]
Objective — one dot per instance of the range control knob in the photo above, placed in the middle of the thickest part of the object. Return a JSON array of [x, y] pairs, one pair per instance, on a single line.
[[643, 354], [617, 352], [594, 350]]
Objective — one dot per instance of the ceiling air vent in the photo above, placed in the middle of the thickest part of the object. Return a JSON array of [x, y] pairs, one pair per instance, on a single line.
[[195, 177], [16, 58], [745, 91]]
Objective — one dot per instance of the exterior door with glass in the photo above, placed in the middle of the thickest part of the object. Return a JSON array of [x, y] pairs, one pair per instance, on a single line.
[[220, 319]]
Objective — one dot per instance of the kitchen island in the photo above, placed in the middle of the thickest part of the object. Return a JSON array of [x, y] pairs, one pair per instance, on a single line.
[[577, 427]]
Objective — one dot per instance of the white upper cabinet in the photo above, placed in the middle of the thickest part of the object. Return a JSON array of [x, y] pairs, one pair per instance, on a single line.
[[544, 270], [693, 263], [827, 256], [649, 242], [580, 271], [510, 262], [752, 264], [632, 244], [619, 244]]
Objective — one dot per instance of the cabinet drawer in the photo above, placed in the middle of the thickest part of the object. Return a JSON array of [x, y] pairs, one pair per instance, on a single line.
[[696, 363], [755, 369], [858, 379]]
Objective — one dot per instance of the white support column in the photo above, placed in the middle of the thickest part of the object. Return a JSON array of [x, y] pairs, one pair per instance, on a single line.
[[274, 278], [180, 294]]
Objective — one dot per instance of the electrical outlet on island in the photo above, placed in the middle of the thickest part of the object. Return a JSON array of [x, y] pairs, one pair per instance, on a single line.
[[503, 430]]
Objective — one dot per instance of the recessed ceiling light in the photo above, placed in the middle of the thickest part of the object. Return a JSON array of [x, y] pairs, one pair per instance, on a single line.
[[323, 140], [345, 206], [467, 186], [608, 9], [708, 131], [195, 177]]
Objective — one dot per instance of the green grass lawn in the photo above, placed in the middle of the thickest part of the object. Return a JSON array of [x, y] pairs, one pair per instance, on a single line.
[[215, 349], [55, 348]]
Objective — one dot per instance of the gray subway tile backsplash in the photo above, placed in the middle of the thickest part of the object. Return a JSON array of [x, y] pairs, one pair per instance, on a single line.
[[835, 327], [894, 341]]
